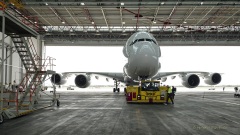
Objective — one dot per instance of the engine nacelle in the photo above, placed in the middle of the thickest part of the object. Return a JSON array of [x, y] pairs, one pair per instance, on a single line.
[[82, 81], [190, 80], [58, 79], [213, 79], [164, 79]]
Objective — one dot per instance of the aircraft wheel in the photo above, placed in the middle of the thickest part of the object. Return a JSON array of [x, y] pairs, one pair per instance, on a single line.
[[58, 103], [118, 90], [1, 119], [114, 89]]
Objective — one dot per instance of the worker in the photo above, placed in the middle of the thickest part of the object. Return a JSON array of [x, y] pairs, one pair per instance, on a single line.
[[14, 86], [9, 87], [169, 94], [237, 92], [174, 90], [6, 86], [236, 89]]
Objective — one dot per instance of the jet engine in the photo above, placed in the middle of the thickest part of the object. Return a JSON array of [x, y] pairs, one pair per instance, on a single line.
[[82, 81], [58, 79], [164, 79], [190, 80], [213, 79]]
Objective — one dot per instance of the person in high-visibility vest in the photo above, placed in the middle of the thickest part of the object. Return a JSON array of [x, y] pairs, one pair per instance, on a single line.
[[169, 94]]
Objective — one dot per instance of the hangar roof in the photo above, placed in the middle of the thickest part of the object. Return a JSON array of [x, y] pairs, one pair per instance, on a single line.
[[172, 22]]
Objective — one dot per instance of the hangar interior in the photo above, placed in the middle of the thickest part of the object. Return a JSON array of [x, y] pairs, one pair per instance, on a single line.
[[28, 26]]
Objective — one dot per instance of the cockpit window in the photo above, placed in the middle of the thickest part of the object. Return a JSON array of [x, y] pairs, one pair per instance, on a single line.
[[143, 39], [149, 40]]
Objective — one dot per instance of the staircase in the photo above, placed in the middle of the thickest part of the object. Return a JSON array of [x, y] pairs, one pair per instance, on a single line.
[[35, 72]]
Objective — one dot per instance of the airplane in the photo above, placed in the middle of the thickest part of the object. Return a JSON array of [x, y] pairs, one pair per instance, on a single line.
[[143, 53]]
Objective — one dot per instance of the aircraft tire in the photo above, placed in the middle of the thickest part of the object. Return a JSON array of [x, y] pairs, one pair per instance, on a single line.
[[118, 90], [58, 103], [1, 119], [114, 89]]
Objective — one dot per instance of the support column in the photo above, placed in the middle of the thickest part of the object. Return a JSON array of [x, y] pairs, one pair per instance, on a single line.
[[39, 44], [2, 71], [6, 66], [11, 62], [21, 71]]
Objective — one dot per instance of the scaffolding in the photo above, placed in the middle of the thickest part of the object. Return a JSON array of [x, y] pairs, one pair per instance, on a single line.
[[26, 96]]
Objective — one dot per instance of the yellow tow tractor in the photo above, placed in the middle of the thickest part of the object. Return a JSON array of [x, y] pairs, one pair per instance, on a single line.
[[146, 92]]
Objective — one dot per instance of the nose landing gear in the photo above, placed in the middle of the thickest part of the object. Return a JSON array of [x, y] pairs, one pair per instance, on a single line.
[[116, 83]]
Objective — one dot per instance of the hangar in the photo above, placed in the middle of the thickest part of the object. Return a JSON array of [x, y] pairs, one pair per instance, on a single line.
[[28, 26]]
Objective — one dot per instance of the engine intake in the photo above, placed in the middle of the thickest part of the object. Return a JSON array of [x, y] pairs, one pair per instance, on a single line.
[[190, 80], [213, 79], [164, 79], [58, 79], [82, 81]]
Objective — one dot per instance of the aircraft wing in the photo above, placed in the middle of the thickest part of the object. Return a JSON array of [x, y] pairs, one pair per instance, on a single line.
[[191, 79], [118, 76], [166, 74]]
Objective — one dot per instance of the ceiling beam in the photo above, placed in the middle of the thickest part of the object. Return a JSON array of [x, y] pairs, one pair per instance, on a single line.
[[229, 17], [104, 17], [90, 18], [132, 3], [204, 16], [185, 19], [154, 18], [72, 16], [120, 10], [41, 16], [137, 18]]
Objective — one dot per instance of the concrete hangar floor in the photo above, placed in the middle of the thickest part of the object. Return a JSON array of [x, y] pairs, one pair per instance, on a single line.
[[99, 111]]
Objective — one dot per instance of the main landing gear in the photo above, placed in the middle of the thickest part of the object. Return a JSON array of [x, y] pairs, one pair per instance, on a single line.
[[116, 83], [1, 118]]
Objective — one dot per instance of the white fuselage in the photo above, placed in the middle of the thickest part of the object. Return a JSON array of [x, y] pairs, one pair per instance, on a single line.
[[143, 52]]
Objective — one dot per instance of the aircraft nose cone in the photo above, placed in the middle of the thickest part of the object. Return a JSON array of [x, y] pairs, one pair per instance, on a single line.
[[146, 50], [147, 62]]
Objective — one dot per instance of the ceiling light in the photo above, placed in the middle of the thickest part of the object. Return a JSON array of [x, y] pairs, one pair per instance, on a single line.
[[82, 4], [162, 3], [46, 4], [201, 3], [237, 22], [123, 22], [212, 22], [63, 22], [122, 4], [184, 22], [154, 22], [92, 22]]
